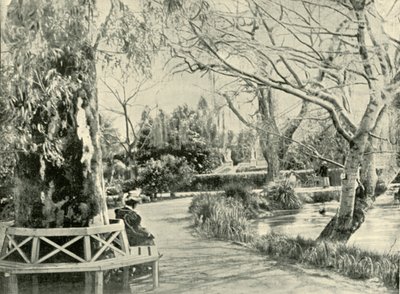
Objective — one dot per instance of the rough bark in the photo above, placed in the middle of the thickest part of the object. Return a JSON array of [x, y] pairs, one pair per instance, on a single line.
[[354, 203], [269, 141], [69, 191], [95, 179], [273, 145], [353, 210], [294, 124]]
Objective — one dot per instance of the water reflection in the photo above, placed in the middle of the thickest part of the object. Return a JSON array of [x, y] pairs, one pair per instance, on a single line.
[[380, 231]]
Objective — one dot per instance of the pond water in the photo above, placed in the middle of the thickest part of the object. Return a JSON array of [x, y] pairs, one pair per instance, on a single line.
[[380, 231]]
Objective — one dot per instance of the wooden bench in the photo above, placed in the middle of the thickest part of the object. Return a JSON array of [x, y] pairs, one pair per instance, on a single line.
[[103, 248]]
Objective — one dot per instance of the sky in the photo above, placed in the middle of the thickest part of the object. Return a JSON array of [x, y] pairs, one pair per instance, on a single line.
[[166, 91], [173, 90]]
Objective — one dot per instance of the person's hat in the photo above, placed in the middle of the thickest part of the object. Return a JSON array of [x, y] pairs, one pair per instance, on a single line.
[[132, 197]]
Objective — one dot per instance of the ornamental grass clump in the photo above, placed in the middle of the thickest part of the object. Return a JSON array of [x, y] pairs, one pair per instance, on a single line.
[[347, 260], [222, 218], [251, 201], [281, 195], [201, 207]]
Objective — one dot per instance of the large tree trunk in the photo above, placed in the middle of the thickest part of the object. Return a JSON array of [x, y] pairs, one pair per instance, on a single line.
[[269, 141], [359, 194], [269, 147], [95, 180], [60, 176], [48, 194], [288, 133], [353, 206], [273, 145]]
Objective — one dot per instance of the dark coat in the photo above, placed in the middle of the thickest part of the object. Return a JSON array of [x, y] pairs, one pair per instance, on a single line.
[[137, 235], [323, 171]]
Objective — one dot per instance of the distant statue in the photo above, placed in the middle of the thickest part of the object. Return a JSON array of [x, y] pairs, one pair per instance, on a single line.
[[291, 179], [253, 160], [253, 154], [228, 155]]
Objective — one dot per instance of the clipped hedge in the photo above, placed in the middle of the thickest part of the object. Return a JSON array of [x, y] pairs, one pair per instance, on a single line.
[[210, 182], [304, 174], [255, 180]]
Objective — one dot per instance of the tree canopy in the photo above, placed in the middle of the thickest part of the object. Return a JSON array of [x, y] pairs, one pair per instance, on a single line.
[[340, 56], [53, 49]]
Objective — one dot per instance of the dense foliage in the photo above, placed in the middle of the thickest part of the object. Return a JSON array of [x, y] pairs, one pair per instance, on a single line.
[[187, 133], [50, 83], [53, 49], [212, 182], [243, 146], [167, 174]]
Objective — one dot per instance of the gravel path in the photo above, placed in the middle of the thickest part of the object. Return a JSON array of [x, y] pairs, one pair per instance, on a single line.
[[193, 265]]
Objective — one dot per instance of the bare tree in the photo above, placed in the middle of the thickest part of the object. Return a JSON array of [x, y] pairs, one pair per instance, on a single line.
[[337, 55], [126, 100]]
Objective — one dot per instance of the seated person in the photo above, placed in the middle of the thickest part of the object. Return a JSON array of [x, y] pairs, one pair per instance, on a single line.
[[137, 235], [397, 196]]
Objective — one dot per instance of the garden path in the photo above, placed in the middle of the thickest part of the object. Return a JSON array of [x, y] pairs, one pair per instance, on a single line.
[[193, 265]]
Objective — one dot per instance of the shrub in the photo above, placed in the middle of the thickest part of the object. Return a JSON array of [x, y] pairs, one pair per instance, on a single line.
[[120, 186], [165, 175], [113, 190], [325, 196], [211, 182], [128, 185], [251, 201], [238, 191], [221, 217], [281, 195]]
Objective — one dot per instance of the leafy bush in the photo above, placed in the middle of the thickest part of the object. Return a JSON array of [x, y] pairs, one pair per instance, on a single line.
[[165, 175], [326, 196], [121, 186], [281, 195], [251, 201], [221, 217], [238, 191], [113, 190], [128, 185]]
